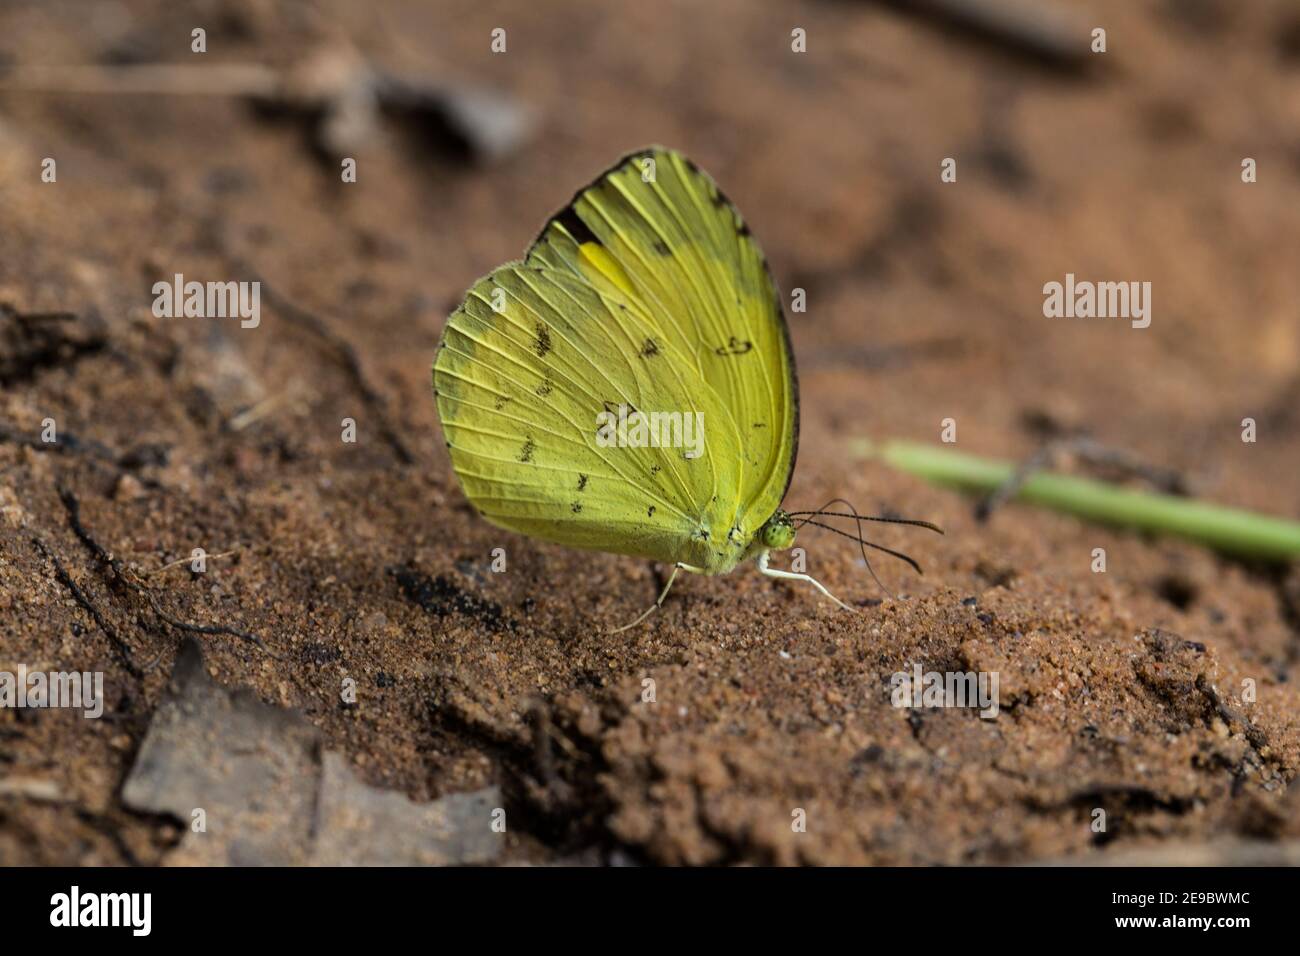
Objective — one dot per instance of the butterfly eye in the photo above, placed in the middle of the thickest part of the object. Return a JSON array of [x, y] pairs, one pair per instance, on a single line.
[[778, 535]]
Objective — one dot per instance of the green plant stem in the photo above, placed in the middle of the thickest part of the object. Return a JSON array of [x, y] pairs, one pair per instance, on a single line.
[[1230, 530]]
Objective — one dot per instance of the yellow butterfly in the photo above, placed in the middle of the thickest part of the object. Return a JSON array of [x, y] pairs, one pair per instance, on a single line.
[[629, 386]]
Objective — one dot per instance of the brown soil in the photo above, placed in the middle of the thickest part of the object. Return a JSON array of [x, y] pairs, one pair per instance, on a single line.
[[1120, 691]]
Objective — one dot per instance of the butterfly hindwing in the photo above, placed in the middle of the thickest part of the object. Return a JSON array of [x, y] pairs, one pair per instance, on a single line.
[[527, 365]]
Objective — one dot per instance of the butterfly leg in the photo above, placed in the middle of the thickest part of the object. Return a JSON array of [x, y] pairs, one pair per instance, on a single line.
[[794, 576], [662, 594]]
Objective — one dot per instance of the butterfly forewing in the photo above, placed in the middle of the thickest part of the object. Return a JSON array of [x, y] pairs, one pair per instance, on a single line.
[[686, 253]]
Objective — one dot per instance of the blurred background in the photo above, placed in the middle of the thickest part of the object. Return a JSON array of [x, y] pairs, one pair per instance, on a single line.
[[827, 124]]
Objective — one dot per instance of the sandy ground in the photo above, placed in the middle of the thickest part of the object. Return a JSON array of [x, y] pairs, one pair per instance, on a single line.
[[1120, 692]]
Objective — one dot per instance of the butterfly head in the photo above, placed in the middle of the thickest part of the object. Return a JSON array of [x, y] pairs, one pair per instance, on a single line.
[[778, 533]]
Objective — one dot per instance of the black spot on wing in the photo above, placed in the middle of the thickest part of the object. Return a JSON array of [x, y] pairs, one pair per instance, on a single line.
[[575, 507], [649, 349], [650, 513], [572, 223], [734, 347], [526, 452], [543, 343], [582, 482], [613, 409], [721, 201], [661, 247]]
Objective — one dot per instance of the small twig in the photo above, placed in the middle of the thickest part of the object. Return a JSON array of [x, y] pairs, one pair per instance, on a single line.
[[1091, 451], [122, 577], [1169, 480], [179, 561], [73, 507], [1243, 534], [1016, 483], [119, 645], [213, 629], [250, 416]]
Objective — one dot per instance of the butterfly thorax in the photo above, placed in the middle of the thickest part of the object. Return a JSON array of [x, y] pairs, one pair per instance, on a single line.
[[710, 552], [775, 534]]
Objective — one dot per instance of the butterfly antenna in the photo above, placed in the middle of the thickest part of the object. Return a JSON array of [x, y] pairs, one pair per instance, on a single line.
[[870, 544], [863, 544], [806, 517], [820, 511], [915, 522]]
